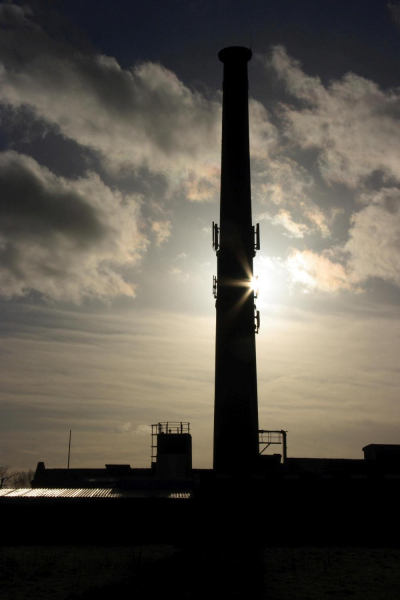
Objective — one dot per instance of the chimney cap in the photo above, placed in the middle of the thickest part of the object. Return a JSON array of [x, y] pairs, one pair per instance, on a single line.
[[235, 54]]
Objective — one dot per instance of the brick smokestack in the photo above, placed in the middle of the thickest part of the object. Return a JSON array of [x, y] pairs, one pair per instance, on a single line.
[[235, 240]]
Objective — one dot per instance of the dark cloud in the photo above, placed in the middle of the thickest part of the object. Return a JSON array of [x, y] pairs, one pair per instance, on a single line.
[[12, 15], [143, 116], [64, 238], [144, 119], [38, 206], [138, 116], [394, 12]]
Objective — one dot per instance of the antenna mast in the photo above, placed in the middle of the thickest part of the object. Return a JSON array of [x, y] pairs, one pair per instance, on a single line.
[[69, 447]]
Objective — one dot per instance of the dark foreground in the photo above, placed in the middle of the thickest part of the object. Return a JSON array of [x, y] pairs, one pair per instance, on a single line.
[[168, 571], [308, 541], [309, 513]]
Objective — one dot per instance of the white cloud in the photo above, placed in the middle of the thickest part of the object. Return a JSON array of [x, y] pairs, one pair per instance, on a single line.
[[353, 122], [372, 250], [321, 220], [179, 274], [284, 218], [66, 239], [374, 242], [314, 271], [281, 181], [139, 116], [264, 136], [162, 231], [206, 232], [128, 429], [355, 125]]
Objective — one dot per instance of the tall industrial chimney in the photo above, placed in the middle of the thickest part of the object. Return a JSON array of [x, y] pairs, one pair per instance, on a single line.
[[235, 241]]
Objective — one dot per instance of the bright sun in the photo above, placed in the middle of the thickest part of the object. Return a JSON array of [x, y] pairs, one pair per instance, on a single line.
[[271, 283], [254, 285]]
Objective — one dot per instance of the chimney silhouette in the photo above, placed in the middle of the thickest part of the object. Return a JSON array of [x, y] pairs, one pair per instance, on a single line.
[[235, 241]]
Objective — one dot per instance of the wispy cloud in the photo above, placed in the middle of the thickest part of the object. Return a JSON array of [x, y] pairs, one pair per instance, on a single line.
[[282, 181], [179, 273], [162, 231], [314, 271], [108, 378], [128, 428], [284, 218]]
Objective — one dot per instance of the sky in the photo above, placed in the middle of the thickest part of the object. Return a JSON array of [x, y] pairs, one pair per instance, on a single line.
[[109, 181]]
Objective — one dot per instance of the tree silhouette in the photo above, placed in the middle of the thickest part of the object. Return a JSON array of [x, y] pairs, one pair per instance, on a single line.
[[5, 476]]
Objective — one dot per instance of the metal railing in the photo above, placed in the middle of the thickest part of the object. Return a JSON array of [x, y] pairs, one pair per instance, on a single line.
[[168, 427], [266, 437]]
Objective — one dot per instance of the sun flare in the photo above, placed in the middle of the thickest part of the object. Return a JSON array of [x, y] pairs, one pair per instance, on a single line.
[[254, 285]]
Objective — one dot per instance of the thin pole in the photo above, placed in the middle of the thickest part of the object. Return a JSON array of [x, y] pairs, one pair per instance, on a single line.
[[69, 447], [284, 443]]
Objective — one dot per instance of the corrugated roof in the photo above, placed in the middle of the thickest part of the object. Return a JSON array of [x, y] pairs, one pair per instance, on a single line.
[[89, 493]]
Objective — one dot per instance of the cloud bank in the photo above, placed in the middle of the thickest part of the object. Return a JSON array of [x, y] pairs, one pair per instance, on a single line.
[[355, 126], [138, 116], [372, 250], [142, 116], [64, 238], [68, 239], [352, 122]]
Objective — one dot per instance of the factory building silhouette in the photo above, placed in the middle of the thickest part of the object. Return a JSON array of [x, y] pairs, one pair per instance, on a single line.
[[240, 464]]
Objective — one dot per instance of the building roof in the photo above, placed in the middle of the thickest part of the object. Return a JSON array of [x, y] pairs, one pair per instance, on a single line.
[[90, 493]]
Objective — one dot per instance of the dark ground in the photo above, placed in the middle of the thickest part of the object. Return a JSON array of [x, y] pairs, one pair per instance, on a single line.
[[216, 571], [303, 541]]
